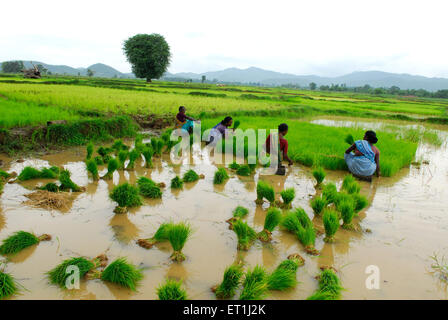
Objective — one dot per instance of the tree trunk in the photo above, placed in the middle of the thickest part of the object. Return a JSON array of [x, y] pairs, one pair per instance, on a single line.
[[148, 80]]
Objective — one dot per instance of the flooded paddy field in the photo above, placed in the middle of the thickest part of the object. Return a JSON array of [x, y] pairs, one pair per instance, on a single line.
[[404, 225]]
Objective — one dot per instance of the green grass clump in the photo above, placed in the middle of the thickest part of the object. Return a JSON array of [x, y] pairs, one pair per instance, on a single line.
[[93, 169], [329, 286], [220, 176], [161, 235], [133, 156], [190, 176], [318, 204], [178, 235], [122, 157], [347, 209], [177, 183], [244, 170], [126, 195], [234, 166], [240, 212], [264, 190], [244, 233], [148, 188], [50, 186], [282, 278], [288, 196], [360, 202], [58, 275], [112, 165], [123, 274], [330, 192], [8, 285], [331, 223], [272, 220], [255, 284], [67, 183], [147, 154], [90, 149], [319, 174], [29, 173], [230, 282], [17, 242], [171, 290]]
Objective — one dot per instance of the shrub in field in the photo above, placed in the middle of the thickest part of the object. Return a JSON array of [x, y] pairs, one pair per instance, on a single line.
[[122, 157], [272, 220], [90, 149], [21, 240], [177, 183], [331, 223], [93, 169], [133, 156], [67, 183], [112, 165], [8, 286], [245, 234], [190, 176], [319, 174], [360, 202], [231, 280], [123, 274], [318, 204], [126, 196], [255, 284], [264, 190], [148, 188], [147, 154], [171, 290], [178, 235], [347, 209], [330, 192], [288, 196], [161, 235], [244, 170], [329, 286], [220, 176]]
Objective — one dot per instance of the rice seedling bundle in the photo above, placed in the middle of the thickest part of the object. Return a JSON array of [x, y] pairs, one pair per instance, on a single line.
[[331, 223], [307, 236], [148, 188], [234, 166], [353, 187], [349, 139], [348, 179], [49, 173], [291, 222], [244, 170], [133, 156], [272, 220], [176, 183], [112, 165], [8, 285], [138, 142], [255, 284], [282, 278], [122, 273], [90, 149], [122, 157], [319, 174], [29, 173], [178, 235], [171, 290], [293, 262], [99, 160], [102, 151], [3, 175], [118, 146], [329, 286], [288, 196], [125, 195], [342, 197], [330, 192], [244, 233], [58, 275], [93, 169], [147, 154], [161, 235], [231, 280], [240, 212], [157, 146], [318, 204], [264, 190], [190, 176], [236, 124], [220, 176], [19, 241], [50, 186], [360, 202], [67, 183], [252, 162]]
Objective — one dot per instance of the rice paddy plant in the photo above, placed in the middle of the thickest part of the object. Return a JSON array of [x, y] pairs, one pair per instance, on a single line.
[[90, 149], [305, 221], [122, 157], [67, 183], [348, 179], [272, 220], [234, 166], [330, 219], [244, 170], [291, 222], [177, 183], [288, 196], [220, 176], [178, 235], [244, 233], [343, 197], [147, 154], [171, 290], [360, 202], [157, 146], [112, 165], [318, 204], [99, 160], [307, 237], [350, 185], [282, 278], [50, 186], [19, 241], [133, 156], [329, 286], [319, 174], [148, 188], [59, 275], [8, 286], [330, 192], [122, 273], [255, 284], [231, 280], [118, 146], [264, 190], [160, 235], [29, 173], [190, 176], [240, 212], [93, 169], [125, 195]]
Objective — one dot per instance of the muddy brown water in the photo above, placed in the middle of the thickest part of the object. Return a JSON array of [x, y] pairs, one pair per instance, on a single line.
[[408, 219]]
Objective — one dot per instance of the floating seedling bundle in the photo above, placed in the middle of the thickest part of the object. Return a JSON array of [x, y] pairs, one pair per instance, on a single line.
[[93, 169], [8, 286], [234, 166], [220, 176], [288, 196], [29, 173], [122, 273], [264, 191], [330, 219], [273, 218], [244, 170], [246, 235], [177, 183], [231, 280], [125, 195], [238, 213], [300, 224], [133, 156], [112, 165], [318, 204], [148, 188], [319, 174], [161, 235], [178, 235], [50, 186], [192, 176], [329, 286], [171, 290], [67, 183], [255, 284], [19, 241], [284, 276]]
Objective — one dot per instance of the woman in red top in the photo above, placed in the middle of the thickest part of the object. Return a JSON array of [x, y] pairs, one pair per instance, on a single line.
[[283, 144]]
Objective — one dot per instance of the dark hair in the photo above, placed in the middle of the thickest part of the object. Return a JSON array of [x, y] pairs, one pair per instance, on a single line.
[[282, 127], [371, 136], [226, 120], [181, 107]]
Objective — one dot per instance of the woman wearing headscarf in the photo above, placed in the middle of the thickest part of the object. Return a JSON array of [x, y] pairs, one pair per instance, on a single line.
[[363, 157]]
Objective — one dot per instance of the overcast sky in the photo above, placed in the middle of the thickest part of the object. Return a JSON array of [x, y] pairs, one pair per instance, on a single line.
[[327, 38]]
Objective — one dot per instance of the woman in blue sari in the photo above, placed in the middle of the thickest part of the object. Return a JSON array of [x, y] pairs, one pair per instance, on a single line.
[[365, 159]]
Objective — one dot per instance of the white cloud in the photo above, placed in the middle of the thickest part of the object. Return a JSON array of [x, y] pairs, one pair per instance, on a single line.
[[301, 37]]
